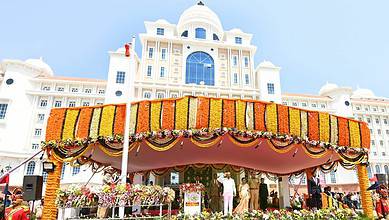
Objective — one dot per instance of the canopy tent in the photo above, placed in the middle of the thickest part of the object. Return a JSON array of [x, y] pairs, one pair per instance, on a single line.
[[168, 133]]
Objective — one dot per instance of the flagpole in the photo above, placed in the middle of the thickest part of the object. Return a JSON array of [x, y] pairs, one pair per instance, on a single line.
[[21, 164], [126, 137]]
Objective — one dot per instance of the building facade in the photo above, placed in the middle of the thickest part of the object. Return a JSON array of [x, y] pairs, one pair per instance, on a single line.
[[195, 57]]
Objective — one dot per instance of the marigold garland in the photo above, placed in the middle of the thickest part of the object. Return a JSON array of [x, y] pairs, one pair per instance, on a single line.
[[168, 114], [192, 112], [94, 128], [283, 119], [334, 130], [84, 122], [367, 202], [259, 114], [271, 118], [70, 122], [55, 123], [215, 115], [313, 125], [294, 125], [202, 112], [240, 114], [155, 119], [343, 132], [324, 134], [355, 138], [304, 123], [143, 117], [133, 118], [107, 119], [228, 113], [120, 119], [250, 116], [181, 117]]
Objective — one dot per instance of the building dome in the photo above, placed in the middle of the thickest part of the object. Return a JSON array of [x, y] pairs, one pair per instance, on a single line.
[[39, 63], [363, 93], [267, 64], [327, 88], [199, 13]]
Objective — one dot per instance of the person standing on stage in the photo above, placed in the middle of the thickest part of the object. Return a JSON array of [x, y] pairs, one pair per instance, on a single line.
[[214, 192], [19, 209], [254, 191], [263, 194], [229, 192]]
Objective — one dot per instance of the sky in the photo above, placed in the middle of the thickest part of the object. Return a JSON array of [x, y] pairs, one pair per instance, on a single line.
[[344, 42]]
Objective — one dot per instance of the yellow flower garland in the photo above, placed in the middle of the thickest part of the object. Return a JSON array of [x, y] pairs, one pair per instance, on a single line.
[[334, 129], [70, 124], [107, 118], [304, 124], [294, 125], [355, 140], [271, 118], [181, 113], [133, 117], [155, 116], [367, 202], [215, 115], [240, 114], [324, 127]]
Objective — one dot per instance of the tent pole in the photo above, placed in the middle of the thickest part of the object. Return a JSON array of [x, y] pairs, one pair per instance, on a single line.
[[127, 124]]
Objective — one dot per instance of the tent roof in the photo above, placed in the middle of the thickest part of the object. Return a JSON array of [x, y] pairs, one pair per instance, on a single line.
[[201, 130]]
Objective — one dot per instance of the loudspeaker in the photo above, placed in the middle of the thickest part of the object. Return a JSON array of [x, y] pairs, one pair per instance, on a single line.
[[32, 188], [381, 178]]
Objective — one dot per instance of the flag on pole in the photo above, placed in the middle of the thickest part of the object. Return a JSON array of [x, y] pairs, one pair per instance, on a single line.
[[4, 179], [374, 179]]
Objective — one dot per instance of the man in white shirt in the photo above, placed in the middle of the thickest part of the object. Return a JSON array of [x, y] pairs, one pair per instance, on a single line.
[[229, 191]]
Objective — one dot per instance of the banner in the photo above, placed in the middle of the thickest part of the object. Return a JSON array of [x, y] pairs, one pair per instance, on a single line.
[[192, 203]]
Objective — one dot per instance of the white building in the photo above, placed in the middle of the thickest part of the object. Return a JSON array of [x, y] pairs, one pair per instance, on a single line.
[[196, 57]]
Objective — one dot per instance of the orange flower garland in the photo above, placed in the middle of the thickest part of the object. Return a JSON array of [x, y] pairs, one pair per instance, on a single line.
[[228, 113], [120, 119], [313, 125], [202, 112], [84, 123], [259, 114], [283, 119], [143, 117], [54, 124], [168, 114], [344, 135]]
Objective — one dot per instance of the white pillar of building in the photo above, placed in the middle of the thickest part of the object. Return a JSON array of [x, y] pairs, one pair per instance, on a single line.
[[284, 193]]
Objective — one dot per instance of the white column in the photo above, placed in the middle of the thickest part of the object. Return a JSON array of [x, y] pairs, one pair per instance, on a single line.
[[127, 123], [284, 194]]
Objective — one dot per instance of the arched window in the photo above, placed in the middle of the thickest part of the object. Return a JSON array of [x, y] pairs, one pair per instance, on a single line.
[[215, 37], [386, 168], [184, 34], [377, 169], [200, 69], [369, 172], [75, 171], [200, 33], [30, 168], [63, 170]]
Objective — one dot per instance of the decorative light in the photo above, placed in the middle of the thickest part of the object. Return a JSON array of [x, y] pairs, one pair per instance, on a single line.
[[48, 166]]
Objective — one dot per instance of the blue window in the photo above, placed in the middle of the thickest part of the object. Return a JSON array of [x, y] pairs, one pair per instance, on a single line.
[[162, 73], [235, 60], [215, 37], [238, 40], [333, 177], [184, 34], [3, 110], [246, 62], [270, 88], [377, 169], [151, 52], [247, 79], [200, 33], [163, 53], [149, 69], [200, 69], [75, 171], [30, 168], [160, 31], [235, 78], [44, 175], [120, 76], [63, 170]]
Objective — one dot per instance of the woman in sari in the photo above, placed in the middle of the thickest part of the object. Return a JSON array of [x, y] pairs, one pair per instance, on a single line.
[[244, 194]]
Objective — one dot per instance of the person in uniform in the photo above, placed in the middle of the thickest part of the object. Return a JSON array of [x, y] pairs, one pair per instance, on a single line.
[[254, 191], [18, 210], [263, 194], [214, 192]]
